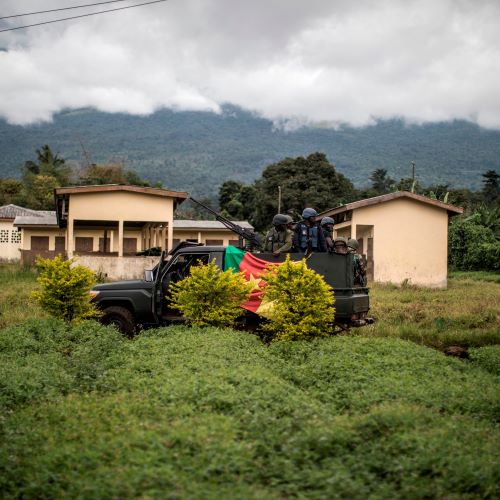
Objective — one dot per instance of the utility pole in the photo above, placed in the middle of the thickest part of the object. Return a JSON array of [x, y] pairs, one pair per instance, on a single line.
[[279, 199], [413, 171]]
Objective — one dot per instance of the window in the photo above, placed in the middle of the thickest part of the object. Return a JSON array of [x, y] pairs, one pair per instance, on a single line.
[[40, 243], [235, 243], [60, 244], [15, 236], [214, 242], [4, 235], [130, 245], [84, 244]]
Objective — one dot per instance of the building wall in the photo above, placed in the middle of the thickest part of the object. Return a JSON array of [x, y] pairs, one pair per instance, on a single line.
[[10, 241], [121, 205], [117, 268], [51, 233], [223, 237], [410, 241]]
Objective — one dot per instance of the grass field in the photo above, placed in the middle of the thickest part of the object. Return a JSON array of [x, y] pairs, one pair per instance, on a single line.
[[191, 413]]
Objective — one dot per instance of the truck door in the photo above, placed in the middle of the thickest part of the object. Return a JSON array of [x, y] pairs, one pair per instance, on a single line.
[[178, 269]]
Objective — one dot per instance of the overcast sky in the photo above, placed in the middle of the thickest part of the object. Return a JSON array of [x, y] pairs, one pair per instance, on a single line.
[[294, 61]]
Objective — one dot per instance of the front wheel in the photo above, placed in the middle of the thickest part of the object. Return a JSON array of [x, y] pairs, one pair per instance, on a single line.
[[121, 318]]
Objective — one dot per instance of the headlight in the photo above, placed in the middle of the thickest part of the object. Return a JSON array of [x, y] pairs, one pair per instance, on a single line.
[[93, 294]]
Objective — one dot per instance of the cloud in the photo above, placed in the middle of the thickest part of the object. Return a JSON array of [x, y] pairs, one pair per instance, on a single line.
[[291, 61]]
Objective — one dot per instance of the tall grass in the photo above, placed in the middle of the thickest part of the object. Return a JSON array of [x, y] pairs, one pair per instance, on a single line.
[[466, 314], [16, 285]]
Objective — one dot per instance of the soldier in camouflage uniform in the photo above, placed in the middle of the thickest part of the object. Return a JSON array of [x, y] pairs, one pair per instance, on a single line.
[[358, 262], [279, 238], [327, 224]]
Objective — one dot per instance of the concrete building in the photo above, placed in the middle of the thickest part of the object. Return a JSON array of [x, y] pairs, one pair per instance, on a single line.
[[104, 227], [10, 235], [404, 236]]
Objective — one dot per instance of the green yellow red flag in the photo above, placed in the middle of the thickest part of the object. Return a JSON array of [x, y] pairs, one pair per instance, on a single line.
[[253, 268]]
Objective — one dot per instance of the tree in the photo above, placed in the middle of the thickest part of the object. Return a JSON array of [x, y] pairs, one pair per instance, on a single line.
[[112, 173], [40, 178], [11, 191], [380, 182], [305, 182], [409, 184], [41, 192], [48, 165], [237, 200], [491, 189], [473, 246]]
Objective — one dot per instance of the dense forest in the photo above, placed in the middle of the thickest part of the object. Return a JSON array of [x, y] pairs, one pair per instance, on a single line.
[[197, 151]]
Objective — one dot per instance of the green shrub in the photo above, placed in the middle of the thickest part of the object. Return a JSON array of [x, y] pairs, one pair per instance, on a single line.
[[64, 289], [209, 296], [302, 302], [472, 246]]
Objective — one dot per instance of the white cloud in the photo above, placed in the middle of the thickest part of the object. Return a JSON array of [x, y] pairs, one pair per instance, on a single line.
[[292, 61]]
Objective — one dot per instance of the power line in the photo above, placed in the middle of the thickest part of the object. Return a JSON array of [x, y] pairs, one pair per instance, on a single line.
[[82, 15], [62, 8]]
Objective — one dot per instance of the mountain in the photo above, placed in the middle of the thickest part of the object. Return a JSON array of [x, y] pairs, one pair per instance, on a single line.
[[197, 151]]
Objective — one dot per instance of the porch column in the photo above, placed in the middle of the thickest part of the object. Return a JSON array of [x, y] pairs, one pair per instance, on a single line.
[[120, 238], [157, 236], [170, 243], [70, 243], [199, 237], [148, 237], [112, 240], [164, 237]]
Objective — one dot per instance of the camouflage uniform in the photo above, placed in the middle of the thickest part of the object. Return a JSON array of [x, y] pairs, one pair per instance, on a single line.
[[278, 241], [358, 263]]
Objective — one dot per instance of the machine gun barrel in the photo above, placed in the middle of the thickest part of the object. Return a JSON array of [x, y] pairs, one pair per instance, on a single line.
[[244, 233]]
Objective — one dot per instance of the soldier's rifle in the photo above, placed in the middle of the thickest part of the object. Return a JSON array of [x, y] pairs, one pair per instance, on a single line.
[[246, 234]]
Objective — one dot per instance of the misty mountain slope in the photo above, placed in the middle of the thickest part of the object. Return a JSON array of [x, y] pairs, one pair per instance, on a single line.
[[196, 151]]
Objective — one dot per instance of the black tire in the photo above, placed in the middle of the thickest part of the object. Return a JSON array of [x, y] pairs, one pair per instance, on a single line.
[[120, 317]]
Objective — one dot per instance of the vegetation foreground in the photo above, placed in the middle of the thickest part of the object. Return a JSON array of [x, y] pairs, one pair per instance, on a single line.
[[202, 413]]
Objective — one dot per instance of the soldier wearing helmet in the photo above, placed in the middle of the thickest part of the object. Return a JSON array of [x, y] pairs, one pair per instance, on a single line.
[[327, 224], [340, 245], [358, 262], [308, 236], [279, 238]]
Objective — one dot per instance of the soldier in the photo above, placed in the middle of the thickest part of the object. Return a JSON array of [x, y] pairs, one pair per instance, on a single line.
[[327, 224], [279, 238], [308, 236], [358, 262], [340, 245]]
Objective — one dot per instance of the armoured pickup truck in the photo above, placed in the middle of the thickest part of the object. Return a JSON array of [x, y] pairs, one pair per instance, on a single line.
[[140, 304]]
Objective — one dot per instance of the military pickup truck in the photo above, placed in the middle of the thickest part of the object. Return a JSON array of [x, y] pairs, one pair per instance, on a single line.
[[139, 304]]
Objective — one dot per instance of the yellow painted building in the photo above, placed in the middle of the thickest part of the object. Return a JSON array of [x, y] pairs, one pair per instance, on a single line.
[[404, 236], [105, 227]]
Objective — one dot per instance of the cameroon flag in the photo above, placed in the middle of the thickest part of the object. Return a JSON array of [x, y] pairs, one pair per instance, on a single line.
[[253, 268]]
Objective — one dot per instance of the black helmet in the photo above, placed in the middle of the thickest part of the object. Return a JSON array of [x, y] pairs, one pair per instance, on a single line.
[[327, 220], [309, 212], [280, 219]]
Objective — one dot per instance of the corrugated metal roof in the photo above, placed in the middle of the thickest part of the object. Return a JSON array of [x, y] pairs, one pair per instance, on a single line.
[[12, 211], [207, 224], [389, 197], [40, 220]]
